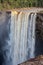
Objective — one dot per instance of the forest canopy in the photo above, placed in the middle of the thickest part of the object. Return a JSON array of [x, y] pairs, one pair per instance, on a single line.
[[20, 3]]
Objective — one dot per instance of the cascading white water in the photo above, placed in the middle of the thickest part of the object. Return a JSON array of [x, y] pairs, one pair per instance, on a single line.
[[31, 35], [22, 36]]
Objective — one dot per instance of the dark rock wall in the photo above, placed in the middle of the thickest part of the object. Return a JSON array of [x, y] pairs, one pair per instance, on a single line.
[[39, 34]]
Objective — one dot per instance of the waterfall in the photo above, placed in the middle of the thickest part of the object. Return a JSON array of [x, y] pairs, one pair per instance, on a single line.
[[31, 35], [22, 36]]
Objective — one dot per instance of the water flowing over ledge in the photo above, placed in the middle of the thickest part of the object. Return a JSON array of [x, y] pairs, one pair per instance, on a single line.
[[18, 35], [22, 36]]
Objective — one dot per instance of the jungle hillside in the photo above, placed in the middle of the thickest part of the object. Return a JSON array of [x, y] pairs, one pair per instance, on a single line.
[[11, 4]]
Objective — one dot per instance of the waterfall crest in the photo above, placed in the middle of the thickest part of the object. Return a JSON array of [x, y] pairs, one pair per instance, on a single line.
[[22, 36]]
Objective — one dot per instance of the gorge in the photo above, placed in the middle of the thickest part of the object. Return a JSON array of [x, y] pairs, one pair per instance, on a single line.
[[21, 36]]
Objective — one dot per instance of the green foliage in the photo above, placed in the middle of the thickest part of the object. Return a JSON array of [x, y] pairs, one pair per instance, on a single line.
[[20, 3]]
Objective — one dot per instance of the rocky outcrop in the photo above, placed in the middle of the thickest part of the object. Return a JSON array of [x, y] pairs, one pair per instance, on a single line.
[[39, 25], [39, 35], [35, 61]]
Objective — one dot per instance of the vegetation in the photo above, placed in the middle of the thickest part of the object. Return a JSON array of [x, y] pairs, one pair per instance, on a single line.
[[20, 3]]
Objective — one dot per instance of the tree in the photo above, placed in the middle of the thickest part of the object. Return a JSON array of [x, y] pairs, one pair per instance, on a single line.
[[1, 1]]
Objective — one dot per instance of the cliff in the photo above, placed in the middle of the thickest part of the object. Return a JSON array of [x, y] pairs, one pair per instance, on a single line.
[[39, 25]]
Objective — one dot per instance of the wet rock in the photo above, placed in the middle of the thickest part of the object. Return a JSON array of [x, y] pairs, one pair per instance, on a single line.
[[39, 25], [35, 61]]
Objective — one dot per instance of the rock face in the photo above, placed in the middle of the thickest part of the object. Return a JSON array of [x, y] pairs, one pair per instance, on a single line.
[[39, 35], [39, 25], [35, 61]]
